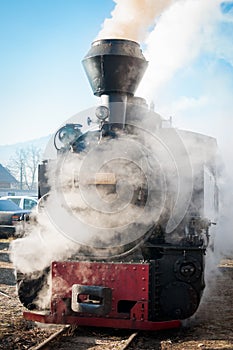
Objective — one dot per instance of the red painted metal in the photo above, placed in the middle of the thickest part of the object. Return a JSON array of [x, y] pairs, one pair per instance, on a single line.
[[103, 322], [128, 282]]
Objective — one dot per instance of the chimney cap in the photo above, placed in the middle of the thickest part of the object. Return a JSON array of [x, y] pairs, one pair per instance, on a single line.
[[114, 66]]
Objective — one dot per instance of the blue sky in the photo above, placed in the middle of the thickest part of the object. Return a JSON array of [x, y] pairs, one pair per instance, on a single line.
[[42, 82]]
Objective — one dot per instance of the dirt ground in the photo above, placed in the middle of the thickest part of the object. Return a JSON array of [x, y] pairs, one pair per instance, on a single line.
[[15, 332], [211, 328]]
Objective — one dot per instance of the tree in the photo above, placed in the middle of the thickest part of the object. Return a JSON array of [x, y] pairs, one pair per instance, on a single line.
[[23, 165]]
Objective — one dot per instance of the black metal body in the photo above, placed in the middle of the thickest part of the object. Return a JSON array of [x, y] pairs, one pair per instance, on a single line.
[[176, 281], [114, 66]]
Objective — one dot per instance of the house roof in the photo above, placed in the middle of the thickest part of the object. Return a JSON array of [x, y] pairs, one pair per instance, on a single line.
[[5, 176]]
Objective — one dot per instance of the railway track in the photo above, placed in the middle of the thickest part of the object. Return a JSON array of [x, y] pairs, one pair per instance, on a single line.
[[210, 329], [67, 337], [77, 338]]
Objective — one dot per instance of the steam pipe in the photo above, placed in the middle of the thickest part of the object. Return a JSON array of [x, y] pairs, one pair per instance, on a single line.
[[116, 103]]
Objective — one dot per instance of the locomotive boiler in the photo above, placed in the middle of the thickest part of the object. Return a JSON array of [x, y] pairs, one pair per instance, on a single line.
[[135, 197]]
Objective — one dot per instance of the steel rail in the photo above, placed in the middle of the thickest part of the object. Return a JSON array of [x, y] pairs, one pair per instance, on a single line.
[[45, 345], [53, 336]]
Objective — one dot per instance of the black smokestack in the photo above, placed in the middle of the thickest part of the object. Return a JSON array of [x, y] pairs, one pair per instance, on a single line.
[[114, 68]]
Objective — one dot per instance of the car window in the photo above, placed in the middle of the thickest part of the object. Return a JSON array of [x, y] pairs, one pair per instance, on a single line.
[[15, 200], [29, 204], [8, 205]]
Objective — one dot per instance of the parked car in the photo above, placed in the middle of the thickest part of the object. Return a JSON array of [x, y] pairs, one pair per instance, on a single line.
[[12, 216], [24, 202]]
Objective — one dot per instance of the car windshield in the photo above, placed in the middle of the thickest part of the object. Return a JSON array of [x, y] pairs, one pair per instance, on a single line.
[[15, 200], [8, 205]]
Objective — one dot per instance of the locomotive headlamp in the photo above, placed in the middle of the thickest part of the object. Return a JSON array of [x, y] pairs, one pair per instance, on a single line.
[[102, 112], [67, 134]]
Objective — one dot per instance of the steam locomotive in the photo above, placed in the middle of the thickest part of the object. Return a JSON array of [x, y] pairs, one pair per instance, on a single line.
[[136, 198]]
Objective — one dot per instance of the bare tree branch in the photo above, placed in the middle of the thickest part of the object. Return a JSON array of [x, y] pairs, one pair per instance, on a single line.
[[24, 166]]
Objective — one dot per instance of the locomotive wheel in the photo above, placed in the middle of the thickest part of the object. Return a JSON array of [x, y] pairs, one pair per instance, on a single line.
[[179, 300], [29, 289]]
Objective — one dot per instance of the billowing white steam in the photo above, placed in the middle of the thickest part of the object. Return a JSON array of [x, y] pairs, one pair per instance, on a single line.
[[184, 32], [77, 213], [131, 19], [42, 245], [181, 33]]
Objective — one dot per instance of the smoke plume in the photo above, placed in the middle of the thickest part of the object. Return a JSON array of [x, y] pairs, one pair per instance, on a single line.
[[132, 19], [181, 33]]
